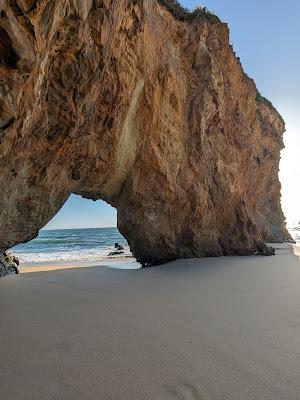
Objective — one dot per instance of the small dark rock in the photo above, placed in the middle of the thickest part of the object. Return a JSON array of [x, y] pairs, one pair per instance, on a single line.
[[8, 264], [116, 253], [292, 241], [264, 250], [118, 246]]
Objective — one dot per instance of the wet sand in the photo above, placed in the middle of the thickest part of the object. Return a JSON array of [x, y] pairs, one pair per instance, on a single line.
[[216, 328], [120, 263]]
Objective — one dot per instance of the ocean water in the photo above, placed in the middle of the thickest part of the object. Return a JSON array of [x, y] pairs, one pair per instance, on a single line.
[[72, 245], [295, 232], [93, 244]]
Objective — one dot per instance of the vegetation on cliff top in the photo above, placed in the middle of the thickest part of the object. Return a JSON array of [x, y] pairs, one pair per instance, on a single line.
[[183, 14]]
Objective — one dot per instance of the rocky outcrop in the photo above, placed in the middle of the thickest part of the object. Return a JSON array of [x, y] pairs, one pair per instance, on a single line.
[[142, 105], [8, 264]]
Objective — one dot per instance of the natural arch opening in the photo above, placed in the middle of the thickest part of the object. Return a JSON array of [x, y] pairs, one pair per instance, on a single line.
[[175, 136], [83, 231]]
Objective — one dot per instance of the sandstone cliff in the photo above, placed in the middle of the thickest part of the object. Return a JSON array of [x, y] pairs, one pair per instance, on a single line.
[[143, 106]]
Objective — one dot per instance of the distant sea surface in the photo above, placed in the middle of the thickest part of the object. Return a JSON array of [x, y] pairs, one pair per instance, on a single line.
[[295, 232], [66, 245]]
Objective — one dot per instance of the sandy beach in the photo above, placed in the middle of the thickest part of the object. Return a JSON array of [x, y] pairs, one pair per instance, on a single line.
[[120, 263], [215, 328]]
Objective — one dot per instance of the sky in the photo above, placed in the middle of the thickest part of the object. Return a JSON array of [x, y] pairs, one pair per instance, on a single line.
[[265, 35], [82, 213]]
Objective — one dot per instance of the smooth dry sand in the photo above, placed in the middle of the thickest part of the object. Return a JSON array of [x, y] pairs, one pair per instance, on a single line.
[[218, 329]]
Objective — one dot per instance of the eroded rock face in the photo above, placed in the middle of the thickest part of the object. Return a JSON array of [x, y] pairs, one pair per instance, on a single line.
[[120, 100]]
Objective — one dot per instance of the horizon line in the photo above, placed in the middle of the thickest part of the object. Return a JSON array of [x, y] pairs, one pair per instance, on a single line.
[[64, 229]]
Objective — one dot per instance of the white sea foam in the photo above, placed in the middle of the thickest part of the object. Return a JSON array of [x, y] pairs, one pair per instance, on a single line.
[[95, 254], [295, 233], [69, 245]]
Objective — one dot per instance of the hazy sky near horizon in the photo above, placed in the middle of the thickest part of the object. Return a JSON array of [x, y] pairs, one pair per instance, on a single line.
[[265, 35]]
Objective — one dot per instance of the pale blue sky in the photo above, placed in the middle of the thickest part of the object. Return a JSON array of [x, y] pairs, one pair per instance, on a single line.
[[82, 213], [265, 35]]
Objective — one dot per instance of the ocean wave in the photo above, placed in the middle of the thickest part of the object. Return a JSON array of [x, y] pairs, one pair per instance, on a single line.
[[295, 233], [92, 254]]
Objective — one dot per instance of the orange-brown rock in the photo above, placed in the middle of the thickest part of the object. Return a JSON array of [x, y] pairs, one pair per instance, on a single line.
[[145, 107]]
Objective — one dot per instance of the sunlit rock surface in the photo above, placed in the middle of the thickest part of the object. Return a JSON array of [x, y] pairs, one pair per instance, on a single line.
[[148, 109]]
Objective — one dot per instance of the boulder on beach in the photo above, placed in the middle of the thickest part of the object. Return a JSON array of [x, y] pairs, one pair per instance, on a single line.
[[8, 264]]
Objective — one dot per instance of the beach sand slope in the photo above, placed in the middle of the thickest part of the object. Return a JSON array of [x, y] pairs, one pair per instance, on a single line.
[[214, 328]]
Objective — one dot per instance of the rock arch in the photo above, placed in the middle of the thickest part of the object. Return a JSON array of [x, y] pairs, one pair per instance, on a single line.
[[128, 102]]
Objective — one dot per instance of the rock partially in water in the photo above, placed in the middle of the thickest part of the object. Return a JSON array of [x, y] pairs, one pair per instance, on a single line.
[[116, 253], [8, 264]]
